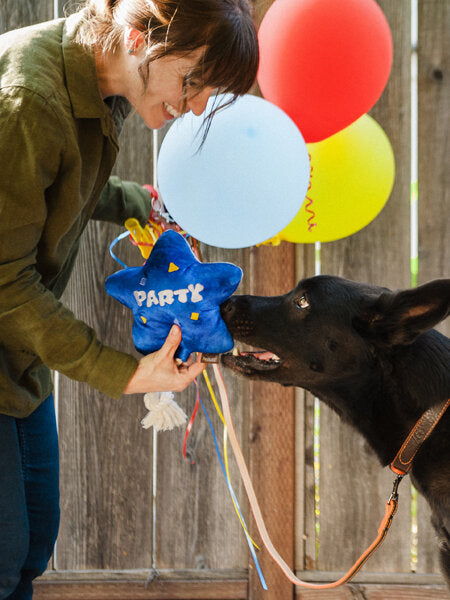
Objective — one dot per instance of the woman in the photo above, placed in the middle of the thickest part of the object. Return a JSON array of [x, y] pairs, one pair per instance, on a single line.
[[65, 88]]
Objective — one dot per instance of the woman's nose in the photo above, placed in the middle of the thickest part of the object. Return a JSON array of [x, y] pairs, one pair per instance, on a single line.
[[197, 104]]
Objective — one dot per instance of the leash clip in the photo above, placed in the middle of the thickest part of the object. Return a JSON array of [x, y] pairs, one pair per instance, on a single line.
[[394, 493]]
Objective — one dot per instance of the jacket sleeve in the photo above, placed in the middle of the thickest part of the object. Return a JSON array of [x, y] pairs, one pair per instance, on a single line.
[[121, 200], [32, 320]]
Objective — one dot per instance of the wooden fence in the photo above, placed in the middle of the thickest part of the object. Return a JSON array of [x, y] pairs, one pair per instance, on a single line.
[[140, 522]]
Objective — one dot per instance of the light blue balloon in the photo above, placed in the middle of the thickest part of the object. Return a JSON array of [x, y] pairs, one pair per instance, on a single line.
[[247, 181]]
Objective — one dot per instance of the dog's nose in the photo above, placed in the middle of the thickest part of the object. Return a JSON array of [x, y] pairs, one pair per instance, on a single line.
[[236, 308], [235, 313], [227, 308], [233, 307]]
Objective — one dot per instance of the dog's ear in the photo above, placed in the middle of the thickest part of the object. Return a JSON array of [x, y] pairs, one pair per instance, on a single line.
[[398, 318]]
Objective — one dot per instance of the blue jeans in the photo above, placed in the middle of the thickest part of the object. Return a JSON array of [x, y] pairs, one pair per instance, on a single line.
[[29, 499]]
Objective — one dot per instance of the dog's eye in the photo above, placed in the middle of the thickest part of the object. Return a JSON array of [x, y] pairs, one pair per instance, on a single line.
[[302, 302]]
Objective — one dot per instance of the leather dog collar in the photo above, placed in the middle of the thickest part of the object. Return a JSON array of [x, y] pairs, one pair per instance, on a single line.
[[418, 434]]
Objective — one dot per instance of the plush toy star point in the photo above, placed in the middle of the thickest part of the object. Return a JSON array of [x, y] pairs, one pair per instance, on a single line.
[[174, 287]]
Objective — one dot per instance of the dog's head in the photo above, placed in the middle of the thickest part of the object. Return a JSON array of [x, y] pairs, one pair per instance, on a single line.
[[328, 329]]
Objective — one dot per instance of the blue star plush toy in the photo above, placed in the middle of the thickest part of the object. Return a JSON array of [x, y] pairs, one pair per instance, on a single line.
[[174, 287]]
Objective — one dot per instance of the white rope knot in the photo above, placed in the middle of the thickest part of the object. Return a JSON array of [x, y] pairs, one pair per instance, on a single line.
[[164, 413]]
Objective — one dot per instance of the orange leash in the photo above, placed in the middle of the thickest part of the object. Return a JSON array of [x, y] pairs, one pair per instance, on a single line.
[[418, 435]]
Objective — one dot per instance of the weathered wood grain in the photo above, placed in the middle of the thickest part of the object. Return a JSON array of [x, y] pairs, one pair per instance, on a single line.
[[353, 486], [376, 592], [177, 590], [434, 141], [305, 539], [196, 525], [434, 188], [272, 436], [106, 457], [380, 592], [21, 13]]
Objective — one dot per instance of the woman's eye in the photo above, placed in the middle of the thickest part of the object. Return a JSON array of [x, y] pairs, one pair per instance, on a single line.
[[191, 83], [302, 302]]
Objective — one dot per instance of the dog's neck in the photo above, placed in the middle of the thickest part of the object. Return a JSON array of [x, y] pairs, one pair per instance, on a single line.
[[384, 404]]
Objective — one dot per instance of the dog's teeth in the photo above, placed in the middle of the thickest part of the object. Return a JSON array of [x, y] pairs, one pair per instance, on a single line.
[[236, 351]]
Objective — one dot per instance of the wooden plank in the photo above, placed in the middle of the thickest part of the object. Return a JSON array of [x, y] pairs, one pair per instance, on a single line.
[[343, 593], [132, 585], [353, 487], [225, 589], [434, 135], [106, 457], [177, 590], [301, 488], [272, 436], [309, 522], [399, 592], [143, 575], [379, 578], [305, 539], [272, 418], [434, 188], [20, 13], [196, 524], [375, 592]]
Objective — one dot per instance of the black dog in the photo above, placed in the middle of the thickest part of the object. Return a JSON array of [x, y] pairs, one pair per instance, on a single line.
[[371, 355]]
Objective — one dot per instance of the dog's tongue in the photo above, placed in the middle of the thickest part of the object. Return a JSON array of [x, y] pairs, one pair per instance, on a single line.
[[265, 355], [261, 355]]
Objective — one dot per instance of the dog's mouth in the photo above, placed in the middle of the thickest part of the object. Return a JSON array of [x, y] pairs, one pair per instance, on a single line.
[[250, 362]]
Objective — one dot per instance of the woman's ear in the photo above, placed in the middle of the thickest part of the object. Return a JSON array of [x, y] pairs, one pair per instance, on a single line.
[[398, 318], [133, 39]]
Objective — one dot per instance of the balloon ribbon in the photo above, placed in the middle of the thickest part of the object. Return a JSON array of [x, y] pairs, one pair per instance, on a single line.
[[391, 506]]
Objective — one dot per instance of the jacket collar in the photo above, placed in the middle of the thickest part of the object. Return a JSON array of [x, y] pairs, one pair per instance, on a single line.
[[81, 75]]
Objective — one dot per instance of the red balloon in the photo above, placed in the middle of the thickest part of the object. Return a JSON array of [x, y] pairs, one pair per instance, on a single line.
[[324, 62]]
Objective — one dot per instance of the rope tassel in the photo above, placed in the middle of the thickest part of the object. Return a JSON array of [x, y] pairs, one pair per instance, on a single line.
[[164, 413]]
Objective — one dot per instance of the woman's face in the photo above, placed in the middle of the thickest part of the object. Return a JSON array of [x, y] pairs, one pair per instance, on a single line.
[[162, 99]]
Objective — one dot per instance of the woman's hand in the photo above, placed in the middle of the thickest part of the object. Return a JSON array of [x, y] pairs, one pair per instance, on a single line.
[[159, 372]]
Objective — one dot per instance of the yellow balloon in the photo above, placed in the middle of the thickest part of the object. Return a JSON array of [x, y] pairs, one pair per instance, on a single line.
[[352, 174]]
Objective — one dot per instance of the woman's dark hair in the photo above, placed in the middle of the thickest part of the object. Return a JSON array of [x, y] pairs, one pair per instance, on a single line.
[[177, 27]]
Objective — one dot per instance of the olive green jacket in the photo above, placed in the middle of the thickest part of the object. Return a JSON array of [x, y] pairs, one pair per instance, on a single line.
[[58, 144]]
